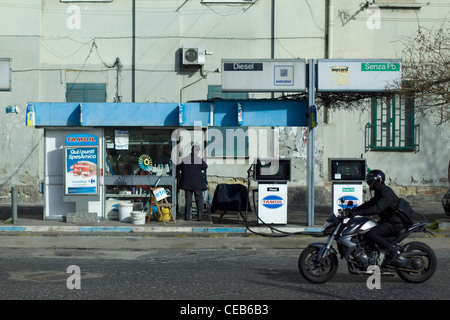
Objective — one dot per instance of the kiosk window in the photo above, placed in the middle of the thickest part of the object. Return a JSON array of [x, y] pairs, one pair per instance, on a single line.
[[124, 148]]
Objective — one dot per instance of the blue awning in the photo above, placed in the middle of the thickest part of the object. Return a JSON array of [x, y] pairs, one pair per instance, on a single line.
[[219, 113]]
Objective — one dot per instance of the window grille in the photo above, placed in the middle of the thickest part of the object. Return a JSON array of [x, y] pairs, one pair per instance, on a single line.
[[392, 126]]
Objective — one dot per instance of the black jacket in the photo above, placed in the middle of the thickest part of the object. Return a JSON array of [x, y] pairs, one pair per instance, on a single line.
[[382, 204], [192, 177]]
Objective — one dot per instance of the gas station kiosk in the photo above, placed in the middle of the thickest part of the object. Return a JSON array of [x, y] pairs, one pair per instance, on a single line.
[[272, 176], [104, 157], [346, 176]]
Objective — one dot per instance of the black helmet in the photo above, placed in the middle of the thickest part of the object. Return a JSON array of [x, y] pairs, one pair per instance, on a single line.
[[375, 178]]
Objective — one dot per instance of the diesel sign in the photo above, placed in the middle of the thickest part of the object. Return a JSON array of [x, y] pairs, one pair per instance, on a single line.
[[243, 66], [263, 75]]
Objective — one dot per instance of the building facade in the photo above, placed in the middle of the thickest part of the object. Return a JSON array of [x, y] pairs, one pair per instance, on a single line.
[[135, 51]]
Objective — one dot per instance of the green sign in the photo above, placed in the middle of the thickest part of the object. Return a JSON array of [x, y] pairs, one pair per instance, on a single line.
[[371, 66], [348, 189]]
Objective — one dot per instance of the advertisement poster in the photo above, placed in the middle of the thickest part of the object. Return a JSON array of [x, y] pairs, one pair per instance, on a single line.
[[80, 165], [81, 170]]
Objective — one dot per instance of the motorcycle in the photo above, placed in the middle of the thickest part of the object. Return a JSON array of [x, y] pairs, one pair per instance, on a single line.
[[318, 263]]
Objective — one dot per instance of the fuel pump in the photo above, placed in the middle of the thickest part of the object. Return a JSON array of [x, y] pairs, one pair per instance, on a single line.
[[272, 176], [346, 176]]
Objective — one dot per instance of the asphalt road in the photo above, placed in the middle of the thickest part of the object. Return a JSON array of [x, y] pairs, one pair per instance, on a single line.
[[189, 269]]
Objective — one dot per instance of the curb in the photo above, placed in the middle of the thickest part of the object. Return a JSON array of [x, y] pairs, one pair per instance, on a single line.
[[156, 230], [165, 229]]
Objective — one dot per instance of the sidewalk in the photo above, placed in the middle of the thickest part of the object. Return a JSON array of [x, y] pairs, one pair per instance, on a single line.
[[30, 220]]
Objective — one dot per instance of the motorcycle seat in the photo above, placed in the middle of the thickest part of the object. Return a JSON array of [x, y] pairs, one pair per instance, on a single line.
[[396, 237], [393, 238]]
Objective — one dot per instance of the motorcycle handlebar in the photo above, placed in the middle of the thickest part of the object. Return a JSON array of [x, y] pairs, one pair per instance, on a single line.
[[345, 213]]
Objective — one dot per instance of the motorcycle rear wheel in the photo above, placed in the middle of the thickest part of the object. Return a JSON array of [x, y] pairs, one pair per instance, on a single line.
[[317, 272], [422, 257]]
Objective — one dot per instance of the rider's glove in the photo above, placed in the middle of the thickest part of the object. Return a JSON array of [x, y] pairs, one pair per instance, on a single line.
[[348, 213]]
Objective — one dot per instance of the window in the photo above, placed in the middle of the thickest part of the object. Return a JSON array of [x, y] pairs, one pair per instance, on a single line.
[[215, 92], [86, 92], [226, 1], [392, 125], [137, 160], [5, 74], [242, 143], [224, 141], [227, 142], [393, 1], [398, 4], [85, 0]]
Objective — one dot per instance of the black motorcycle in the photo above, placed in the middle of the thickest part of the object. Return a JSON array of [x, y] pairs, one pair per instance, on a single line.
[[318, 263]]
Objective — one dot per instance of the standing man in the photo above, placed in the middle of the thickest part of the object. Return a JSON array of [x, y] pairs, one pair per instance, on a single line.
[[192, 181]]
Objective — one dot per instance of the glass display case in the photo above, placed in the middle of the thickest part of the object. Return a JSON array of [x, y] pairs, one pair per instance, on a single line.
[[137, 160]]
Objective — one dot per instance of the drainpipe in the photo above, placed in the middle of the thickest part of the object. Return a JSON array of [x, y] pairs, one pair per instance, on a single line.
[[330, 29], [272, 27], [14, 204], [133, 52], [272, 37]]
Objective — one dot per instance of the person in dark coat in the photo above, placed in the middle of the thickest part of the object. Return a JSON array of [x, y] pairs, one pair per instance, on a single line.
[[192, 181], [382, 204]]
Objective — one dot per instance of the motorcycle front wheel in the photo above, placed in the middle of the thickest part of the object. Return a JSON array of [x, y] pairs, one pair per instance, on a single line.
[[421, 263], [317, 271]]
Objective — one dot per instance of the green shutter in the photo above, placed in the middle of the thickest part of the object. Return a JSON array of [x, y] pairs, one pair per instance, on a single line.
[[86, 92]]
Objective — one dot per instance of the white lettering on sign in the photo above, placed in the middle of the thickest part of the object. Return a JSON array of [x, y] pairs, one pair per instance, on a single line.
[[243, 66]]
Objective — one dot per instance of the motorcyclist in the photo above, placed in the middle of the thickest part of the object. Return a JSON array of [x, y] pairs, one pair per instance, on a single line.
[[383, 203]]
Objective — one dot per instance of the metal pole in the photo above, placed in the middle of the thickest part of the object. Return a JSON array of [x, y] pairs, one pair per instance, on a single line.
[[133, 53], [272, 36], [272, 31], [311, 102], [14, 204]]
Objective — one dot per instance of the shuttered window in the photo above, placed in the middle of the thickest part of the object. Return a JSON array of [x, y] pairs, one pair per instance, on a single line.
[[86, 92]]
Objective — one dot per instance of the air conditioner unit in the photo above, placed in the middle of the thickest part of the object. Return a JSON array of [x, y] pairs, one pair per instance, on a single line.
[[193, 55]]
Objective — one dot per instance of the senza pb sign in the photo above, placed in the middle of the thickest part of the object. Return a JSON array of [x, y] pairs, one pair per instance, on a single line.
[[380, 66], [273, 202], [364, 75]]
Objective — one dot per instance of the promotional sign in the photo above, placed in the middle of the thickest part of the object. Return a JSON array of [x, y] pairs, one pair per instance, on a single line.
[[264, 75], [350, 192], [160, 194], [80, 164], [358, 74], [30, 116], [121, 139]]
